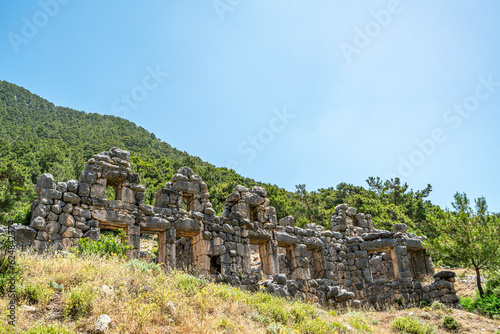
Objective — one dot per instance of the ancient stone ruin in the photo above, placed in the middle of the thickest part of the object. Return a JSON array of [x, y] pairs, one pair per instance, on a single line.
[[351, 263]]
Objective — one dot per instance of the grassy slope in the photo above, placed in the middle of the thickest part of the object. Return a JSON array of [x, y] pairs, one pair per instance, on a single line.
[[145, 300]]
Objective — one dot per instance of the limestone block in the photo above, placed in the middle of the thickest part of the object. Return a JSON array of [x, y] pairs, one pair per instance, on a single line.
[[125, 194], [287, 221], [24, 233], [56, 209], [72, 232], [41, 211], [51, 194], [399, 227], [38, 224], [72, 198], [73, 186], [156, 223], [84, 190], [45, 181], [98, 191], [53, 227], [62, 187], [67, 220]]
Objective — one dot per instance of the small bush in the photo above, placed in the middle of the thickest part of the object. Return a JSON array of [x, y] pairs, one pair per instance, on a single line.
[[493, 283], [424, 303], [144, 266], [358, 321], [275, 328], [318, 326], [411, 325], [488, 305], [450, 323], [36, 294], [189, 284], [48, 329], [437, 305], [79, 301], [108, 245]]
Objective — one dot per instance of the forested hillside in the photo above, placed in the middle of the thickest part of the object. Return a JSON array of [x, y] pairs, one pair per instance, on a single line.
[[37, 137]]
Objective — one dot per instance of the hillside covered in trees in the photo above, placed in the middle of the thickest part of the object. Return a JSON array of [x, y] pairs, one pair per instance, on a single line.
[[38, 137]]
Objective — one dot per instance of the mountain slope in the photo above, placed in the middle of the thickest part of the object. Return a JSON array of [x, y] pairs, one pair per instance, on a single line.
[[37, 137], [44, 138]]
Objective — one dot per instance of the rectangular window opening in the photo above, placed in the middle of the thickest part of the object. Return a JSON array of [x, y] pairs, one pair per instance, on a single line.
[[253, 213], [381, 265], [284, 260], [255, 260], [215, 265], [111, 193], [149, 247], [187, 202], [316, 267], [184, 254]]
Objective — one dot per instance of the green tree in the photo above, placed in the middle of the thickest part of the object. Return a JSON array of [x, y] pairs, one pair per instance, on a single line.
[[15, 191], [469, 237]]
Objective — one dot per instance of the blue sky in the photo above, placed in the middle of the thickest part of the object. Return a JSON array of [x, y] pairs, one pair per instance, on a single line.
[[285, 92]]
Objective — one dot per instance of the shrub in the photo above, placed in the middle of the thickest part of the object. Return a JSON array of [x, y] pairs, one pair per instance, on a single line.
[[143, 266], [424, 303], [318, 326], [155, 250], [488, 305], [450, 323], [36, 294], [437, 305], [411, 325], [493, 283], [107, 245], [79, 301], [48, 329], [358, 321]]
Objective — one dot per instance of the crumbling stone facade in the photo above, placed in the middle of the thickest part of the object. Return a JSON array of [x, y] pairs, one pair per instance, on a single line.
[[351, 263]]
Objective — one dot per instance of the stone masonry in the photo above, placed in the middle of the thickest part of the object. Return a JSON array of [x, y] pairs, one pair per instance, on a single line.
[[349, 264]]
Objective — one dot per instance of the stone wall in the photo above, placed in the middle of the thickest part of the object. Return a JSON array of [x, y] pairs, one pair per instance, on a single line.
[[349, 263]]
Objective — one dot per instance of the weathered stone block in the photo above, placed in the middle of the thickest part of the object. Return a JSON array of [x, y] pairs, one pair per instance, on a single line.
[[126, 195], [51, 194], [287, 221], [67, 220], [53, 227], [188, 224], [73, 186], [62, 187], [38, 224], [93, 233], [72, 198], [24, 233], [72, 232], [399, 227], [84, 190], [156, 223], [45, 181], [98, 191]]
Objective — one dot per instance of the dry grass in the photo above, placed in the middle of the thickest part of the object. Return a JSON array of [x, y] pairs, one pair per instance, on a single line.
[[139, 298]]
